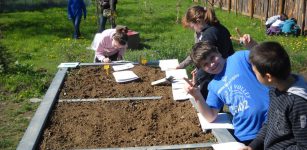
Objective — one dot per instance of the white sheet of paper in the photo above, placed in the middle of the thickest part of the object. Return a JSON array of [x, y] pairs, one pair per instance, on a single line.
[[124, 76], [222, 121], [228, 146], [123, 67], [179, 93], [69, 65], [177, 74], [168, 64]]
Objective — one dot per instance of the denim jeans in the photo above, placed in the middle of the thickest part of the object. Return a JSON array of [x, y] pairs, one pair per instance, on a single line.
[[103, 21], [76, 22]]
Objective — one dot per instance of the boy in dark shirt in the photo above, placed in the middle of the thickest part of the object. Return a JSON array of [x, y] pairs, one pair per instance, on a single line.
[[286, 127]]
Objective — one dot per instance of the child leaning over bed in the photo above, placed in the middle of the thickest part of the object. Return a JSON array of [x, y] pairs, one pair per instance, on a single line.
[[286, 127], [113, 45]]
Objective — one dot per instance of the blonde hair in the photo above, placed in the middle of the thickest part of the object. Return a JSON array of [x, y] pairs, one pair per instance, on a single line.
[[121, 35], [199, 14]]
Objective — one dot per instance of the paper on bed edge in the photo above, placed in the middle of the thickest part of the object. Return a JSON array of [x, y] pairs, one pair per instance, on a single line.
[[222, 121], [68, 64], [228, 146]]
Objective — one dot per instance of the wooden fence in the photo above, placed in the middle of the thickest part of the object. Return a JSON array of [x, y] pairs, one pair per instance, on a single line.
[[264, 9]]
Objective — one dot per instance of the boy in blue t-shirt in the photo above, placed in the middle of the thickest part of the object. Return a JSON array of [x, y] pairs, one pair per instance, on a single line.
[[286, 126], [234, 85]]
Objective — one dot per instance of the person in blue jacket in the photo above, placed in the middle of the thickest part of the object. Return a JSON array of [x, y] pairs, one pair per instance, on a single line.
[[234, 84], [75, 10]]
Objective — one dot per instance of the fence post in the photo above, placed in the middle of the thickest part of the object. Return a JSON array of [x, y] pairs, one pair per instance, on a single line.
[[267, 9], [303, 17], [236, 3], [229, 6], [281, 6], [251, 7]]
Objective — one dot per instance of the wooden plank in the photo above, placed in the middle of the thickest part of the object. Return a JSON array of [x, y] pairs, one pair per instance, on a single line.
[[111, 99], [281, 6], [229, 6], [267, 9], [31, 137], [251, 8], [304, 19], [236, 7]]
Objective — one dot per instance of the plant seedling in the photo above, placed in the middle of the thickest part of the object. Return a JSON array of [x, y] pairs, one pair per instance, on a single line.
[[106, 68], [144, 61]]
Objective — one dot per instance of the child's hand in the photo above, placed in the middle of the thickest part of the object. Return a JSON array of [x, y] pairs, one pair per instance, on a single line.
[[192, 89], [246, 148], [106, 60], [194, 76], [178, 67], [245, 39]]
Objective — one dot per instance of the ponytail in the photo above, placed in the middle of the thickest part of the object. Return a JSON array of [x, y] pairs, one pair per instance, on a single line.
[[210, 17], [199, 14], [121, 35]]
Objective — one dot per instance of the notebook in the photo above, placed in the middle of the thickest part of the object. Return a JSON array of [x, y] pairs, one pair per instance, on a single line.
[[124, 76]]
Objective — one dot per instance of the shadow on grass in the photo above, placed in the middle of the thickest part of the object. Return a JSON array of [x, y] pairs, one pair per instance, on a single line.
[[6, 59], [5, 8], [37, 26]]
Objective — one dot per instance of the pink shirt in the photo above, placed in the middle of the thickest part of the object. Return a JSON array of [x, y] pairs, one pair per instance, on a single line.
[[105, 48]]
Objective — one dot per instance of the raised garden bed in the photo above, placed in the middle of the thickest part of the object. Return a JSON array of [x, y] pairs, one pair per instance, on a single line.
[[161, 123]]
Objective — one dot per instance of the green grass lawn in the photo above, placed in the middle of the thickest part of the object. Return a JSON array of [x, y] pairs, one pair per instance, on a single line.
[[34, 43]]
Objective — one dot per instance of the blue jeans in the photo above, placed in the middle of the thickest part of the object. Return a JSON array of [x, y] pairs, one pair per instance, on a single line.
[[103, 21], [76, 22]]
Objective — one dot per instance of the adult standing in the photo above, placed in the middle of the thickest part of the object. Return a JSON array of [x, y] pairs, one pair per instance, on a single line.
[[107, 9], [75, 10], [207, 28]]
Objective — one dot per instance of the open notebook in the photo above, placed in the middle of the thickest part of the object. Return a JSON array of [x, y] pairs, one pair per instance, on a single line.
[[123, 67], [124, 76]]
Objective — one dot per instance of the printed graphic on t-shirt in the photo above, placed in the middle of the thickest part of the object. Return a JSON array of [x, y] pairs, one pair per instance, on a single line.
[[235, 93]]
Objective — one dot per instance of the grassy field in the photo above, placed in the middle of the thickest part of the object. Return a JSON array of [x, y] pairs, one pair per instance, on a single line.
[[34, 43]]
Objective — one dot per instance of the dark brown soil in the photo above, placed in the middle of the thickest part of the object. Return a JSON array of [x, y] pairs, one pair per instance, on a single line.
[[109, 124]]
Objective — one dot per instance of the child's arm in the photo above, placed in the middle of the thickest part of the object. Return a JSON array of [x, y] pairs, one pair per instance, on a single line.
[[209, 113], [247, 41], [187, 61], [258, 142]]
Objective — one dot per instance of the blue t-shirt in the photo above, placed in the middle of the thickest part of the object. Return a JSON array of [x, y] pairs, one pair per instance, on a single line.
[[238, 88]]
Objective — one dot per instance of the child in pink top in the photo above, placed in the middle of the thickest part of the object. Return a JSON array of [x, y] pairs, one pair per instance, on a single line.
[[113, 45]]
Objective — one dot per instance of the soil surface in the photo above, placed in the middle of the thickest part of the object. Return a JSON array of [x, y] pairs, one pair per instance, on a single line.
[[129, 123]]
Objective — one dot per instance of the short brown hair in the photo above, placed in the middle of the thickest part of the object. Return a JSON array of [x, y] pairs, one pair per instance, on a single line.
[[121, 35], [272, 58], [199, 14], [201, 50]]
